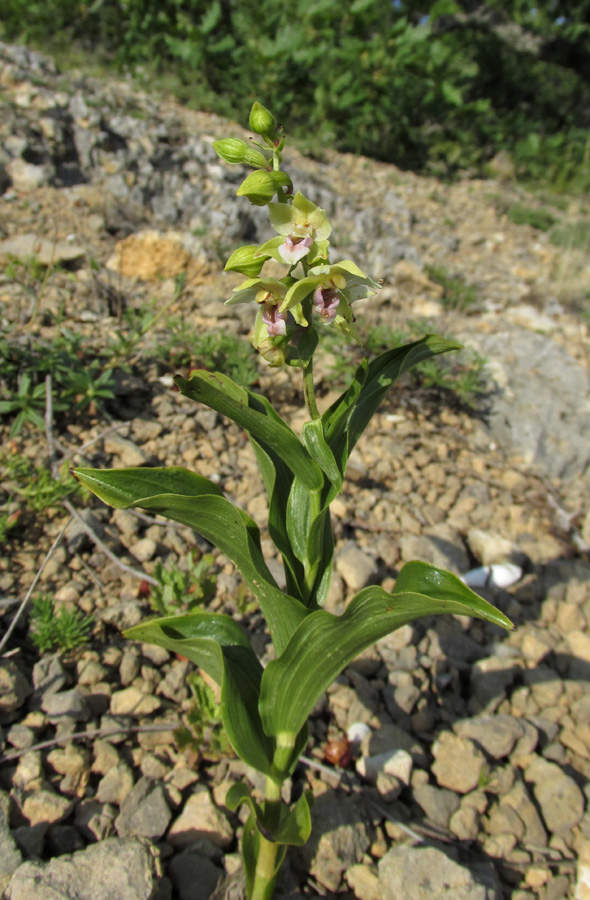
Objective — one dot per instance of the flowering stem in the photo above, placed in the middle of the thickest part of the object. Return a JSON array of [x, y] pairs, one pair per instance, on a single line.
[[309, 391], [266, 862]]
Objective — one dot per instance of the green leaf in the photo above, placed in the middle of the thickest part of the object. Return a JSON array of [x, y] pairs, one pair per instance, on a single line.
[[121, 487], [257, 416], [320, 452], [324, 644], [219, 646], [347, 418], [295, 829], [216, 519]]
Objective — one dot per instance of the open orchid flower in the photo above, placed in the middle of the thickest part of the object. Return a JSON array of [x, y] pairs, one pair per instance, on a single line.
[[302, 224], [275, 321], [258, 290]]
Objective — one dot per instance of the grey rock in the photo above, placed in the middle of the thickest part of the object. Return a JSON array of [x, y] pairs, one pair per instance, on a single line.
[[438, 804], [200, 818], [112, 870], [77, 535], [66, 705], [559, 798], [356, 567], [30, 839], [194, 875], [24, 246], [49, 676], [497, 735], [116, 784], [458, 764], [95, 820], [339, 839], [443, 548], [144, 811], [14, 687], [10, 857], [426, 873], [554, 434]]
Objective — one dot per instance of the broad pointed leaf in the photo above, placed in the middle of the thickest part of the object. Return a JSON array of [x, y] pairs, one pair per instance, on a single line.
[[347, 418], [250, 411], [318, 449], [324, 644], [220, 522], [295, 828], [219, 646]]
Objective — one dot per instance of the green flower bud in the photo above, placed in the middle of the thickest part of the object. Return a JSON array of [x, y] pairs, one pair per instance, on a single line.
[[243, 260], [262, 120], [260, 187], [234, 151]]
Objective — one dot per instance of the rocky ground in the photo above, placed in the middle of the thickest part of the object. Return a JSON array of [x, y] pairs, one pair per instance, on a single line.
[[471, 748]]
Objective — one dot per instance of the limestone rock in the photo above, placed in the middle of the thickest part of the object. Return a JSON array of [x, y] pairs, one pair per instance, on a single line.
[[425, 873]]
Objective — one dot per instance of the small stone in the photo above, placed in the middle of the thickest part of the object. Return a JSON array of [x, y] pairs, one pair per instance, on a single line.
[[66, 705], [128, 453], [582, 889], [458, 765], [560, 799], [443, 548], [356, 567], [200, 818], [489, 547], [132, 702], [14, 687], [105, 757], [496, 735], [144, 549], [129, 667], [144, 811], [464, 823], [115, 785], [397, 763], [424, 873], [90, 672], [438, 804], [10, 857], [194, 875], [115, 868], [95, 820], [364, 883], [44, 806]]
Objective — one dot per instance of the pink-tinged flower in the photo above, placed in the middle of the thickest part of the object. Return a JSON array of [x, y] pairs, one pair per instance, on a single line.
[[295, 248], [275, 321], [302, 223], [326, 298]]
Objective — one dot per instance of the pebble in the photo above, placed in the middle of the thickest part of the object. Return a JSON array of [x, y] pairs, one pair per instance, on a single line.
[[133, 702], [496, 735], [194, 876], [114, 868], [144, 549], [355, 567], [45, 806], [66, 705], [559, 798], [364, 882], [115, 785], [200, 818], [425, 873], [144, 811], [14, 687], [458, 764]]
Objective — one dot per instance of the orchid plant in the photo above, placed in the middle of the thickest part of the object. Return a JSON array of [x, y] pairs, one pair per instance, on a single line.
[[265, 710]]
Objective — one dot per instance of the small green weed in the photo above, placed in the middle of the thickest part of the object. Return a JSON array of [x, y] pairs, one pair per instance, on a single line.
[[573, 235], [213, 350], [181, 590], [204, 733], [26, 404], [62, 630], [457, 294], [21, 478], [541, 219]]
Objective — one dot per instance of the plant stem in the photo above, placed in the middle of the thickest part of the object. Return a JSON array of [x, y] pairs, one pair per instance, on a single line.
[[309, 391], [266, 864]]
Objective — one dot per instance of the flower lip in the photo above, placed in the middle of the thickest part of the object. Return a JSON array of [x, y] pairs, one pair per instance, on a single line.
[[295, 248], [326, 300], [275, 321]]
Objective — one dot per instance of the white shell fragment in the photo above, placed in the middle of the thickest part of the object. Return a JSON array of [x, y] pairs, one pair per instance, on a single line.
[[357, 732], [501, 575]]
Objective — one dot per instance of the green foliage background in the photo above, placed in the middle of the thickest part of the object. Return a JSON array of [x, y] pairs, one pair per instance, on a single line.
[[433, 86]]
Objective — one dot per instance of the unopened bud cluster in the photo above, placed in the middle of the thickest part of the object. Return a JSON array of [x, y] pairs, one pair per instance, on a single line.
[[312, 292]]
